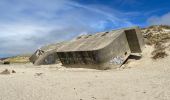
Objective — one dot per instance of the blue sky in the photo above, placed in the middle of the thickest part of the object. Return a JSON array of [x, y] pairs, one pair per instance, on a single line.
[[26, 25]]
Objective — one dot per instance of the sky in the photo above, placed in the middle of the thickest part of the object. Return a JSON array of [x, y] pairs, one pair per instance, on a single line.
[[26, 25]]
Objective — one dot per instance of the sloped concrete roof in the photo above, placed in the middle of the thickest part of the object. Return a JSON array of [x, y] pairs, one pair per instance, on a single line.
[[90, 42], [51, 47]]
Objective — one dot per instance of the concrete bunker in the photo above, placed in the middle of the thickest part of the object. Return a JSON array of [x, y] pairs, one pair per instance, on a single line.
[[103, 50]]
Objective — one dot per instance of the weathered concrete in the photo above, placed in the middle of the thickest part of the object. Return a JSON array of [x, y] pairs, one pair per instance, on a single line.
[[49, 57], [135, 39], [46, 55], [102, 50]]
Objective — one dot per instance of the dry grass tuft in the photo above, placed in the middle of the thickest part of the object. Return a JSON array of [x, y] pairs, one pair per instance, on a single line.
[[165, 26], [154, 39], [158, 41], [160, 54]]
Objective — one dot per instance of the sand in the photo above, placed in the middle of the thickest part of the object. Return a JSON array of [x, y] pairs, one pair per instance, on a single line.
[[142, 79]]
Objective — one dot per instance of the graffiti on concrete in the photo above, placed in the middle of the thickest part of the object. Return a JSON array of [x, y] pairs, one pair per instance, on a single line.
[[117, 60]]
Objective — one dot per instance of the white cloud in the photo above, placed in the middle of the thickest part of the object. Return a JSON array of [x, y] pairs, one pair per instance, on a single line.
[[157, 20], [30, 24]]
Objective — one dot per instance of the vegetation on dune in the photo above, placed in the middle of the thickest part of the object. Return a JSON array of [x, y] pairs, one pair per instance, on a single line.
[[18, 59], [156, 36], [159, 51]]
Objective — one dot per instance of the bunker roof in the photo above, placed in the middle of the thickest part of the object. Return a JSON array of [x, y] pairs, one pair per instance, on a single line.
[[52, 47], [90, 42]]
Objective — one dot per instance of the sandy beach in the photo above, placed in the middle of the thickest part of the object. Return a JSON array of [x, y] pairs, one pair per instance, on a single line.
[[142, 79]]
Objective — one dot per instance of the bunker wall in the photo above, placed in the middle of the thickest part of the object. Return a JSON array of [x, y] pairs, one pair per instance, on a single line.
[[78, 57], [115, 53], [135, 40], [49, 57]]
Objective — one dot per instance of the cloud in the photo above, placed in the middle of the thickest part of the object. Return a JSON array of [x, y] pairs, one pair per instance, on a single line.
[[157, 20], [30, 24]]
